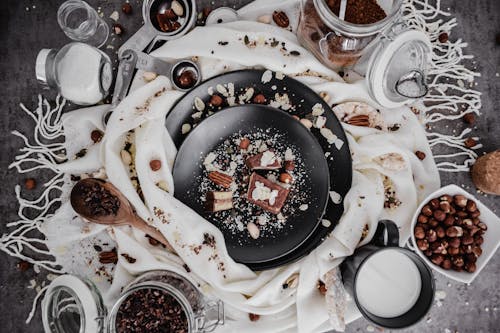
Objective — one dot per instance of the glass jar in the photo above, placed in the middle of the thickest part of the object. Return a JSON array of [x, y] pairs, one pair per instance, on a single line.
[[81, 73], [338, 43], [74, 305]]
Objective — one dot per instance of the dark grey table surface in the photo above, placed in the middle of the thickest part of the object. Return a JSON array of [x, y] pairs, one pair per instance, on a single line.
[[29, 25]]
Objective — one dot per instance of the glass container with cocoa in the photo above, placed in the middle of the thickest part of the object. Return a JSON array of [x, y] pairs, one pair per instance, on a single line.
[[156, 301], [341, 43]]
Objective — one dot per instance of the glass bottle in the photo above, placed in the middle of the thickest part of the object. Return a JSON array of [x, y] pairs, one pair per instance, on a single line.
[[80, 72], [82, 23]]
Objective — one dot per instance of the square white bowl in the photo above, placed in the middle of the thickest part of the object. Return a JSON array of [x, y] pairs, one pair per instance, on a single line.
[[491, 236]]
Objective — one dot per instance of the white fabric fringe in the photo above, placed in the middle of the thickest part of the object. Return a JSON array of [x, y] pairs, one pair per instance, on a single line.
[[449, 99]]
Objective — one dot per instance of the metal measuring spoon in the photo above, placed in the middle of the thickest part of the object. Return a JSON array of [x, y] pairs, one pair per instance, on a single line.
[[125, 215]]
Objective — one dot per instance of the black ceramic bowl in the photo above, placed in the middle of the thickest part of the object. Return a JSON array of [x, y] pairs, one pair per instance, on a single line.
[[248, 119]]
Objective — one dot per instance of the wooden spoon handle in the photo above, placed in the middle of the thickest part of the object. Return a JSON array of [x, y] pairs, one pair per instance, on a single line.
[[151, 231]]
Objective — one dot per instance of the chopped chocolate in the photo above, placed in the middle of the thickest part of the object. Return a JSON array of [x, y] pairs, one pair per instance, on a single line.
[[128, 258], [264, 161], [99, 201], [359, 11], [266, 194], [208, 240], [151, 311]]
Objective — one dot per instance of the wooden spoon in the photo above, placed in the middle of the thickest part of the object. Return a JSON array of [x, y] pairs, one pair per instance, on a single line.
[[125, 215]]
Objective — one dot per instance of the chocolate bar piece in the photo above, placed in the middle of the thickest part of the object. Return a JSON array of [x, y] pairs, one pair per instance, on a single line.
[[266, 194], [218, 201], [264, 161]]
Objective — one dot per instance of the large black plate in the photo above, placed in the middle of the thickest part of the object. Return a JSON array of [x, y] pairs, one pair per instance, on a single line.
[[339, 160], [247, 119]]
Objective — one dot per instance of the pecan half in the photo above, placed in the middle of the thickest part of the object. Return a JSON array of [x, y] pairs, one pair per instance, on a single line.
[[281, 19], [220, 178], [108, 257], [359, 120]]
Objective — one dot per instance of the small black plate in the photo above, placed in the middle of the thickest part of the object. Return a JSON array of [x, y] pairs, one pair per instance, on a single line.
[[339, 160], [247, 119]]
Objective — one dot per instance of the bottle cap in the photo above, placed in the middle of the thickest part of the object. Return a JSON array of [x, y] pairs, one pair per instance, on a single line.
[[44, 67]]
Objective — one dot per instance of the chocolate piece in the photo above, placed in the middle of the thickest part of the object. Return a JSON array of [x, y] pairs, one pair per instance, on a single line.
[[486, 173], [264, 161], [218, 201], [266, 194]]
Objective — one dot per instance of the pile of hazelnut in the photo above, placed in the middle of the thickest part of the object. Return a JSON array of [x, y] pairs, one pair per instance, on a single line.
[[449, 232]]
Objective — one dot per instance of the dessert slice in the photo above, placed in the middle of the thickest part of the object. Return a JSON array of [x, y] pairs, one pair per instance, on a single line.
[[220, 179], [266, 194], [264, 161], [218, 201]]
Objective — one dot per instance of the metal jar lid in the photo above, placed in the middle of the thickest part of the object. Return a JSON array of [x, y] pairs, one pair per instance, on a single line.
[[44, 67], [396, 71]]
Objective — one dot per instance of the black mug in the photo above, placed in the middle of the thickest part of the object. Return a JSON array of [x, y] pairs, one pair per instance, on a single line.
[[387, 237]]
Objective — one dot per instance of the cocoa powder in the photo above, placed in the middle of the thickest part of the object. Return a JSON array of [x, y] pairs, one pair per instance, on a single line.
[[359, 11]]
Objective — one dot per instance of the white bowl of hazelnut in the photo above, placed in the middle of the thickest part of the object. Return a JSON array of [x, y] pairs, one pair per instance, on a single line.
[[455, 233]]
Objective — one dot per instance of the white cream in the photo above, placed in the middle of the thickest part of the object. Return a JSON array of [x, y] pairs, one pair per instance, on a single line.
[[388, 284], [268, 158]]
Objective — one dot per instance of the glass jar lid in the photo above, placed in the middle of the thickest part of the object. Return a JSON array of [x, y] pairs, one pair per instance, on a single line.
[[73, 305], [397, 69]]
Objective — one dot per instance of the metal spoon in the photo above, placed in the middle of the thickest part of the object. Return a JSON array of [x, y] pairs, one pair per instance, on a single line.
[[343, 6], [125, 215]]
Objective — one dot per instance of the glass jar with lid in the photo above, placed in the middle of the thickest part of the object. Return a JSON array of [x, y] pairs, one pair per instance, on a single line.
[[341, 43], [155, 301]]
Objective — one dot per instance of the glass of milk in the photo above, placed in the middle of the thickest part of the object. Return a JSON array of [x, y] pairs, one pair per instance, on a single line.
[[391, 285]]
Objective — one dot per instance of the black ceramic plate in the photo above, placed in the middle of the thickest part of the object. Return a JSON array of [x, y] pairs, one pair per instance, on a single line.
[[245, 120], [339, 160]]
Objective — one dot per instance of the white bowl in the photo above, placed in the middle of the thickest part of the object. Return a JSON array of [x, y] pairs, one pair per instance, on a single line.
[[491, 236]]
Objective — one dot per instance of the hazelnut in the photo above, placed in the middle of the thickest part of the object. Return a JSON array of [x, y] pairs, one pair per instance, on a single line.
[[457, 261], [216, 100], [471, 257], [467, 240], [478, 240], [477, 251], [289, 165], [127, 8], [475, 214], [453, 250], [460, 200], [467, 223], [419, 233], [187, 78], [470, 142], [155, 165], [482, 226], [449, 221], [445, 206], [434, 203], [439, 215], [433, 222], [474, 230], [285, 178], [454, 231], [454, 242], [428, 253], [443, 37], [30, 183], [469, 118], [23, 265], [259, 99], [437, 259], [471, 206], [462, 214], [440, 232], [118, 29], [456, 268], [423, 226], [96, 136], [253, 316], [431, 236], [422, 244], [422, 219], [427, 211], [439, 248], [475, 220], [244, 143], [420, 155], [466, 249], [470, 267], [446, 197], [170, 14], [446, 264]]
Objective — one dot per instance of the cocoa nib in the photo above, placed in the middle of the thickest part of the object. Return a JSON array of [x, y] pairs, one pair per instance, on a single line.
[[208, 240], [99, 201], [128, 258]]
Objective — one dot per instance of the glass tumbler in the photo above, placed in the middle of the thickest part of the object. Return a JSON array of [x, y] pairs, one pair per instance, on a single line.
[[82, 23]]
